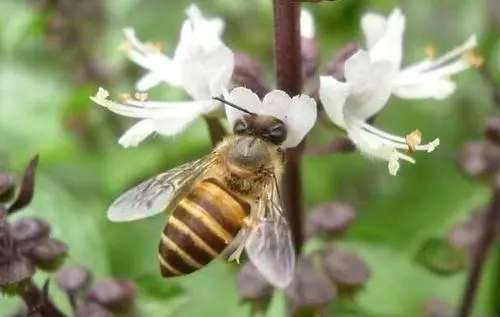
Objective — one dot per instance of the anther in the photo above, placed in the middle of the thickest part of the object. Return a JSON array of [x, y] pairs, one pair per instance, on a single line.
[[475, 60]]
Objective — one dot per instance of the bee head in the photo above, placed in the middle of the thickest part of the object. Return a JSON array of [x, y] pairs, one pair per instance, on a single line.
[[268, 128]]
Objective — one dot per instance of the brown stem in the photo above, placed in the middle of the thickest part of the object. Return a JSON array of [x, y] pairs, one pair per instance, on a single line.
[[216, 130], [491, 221], [38, 301], [289, 79]]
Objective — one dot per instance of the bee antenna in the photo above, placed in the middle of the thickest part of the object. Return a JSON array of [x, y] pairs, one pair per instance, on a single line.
[[234, 106]]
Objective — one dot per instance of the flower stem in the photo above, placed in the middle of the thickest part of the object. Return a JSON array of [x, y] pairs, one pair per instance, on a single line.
[[215, 129], [289, 79], [38, 301], [490, 224]]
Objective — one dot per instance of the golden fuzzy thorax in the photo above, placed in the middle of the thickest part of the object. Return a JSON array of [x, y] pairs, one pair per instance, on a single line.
[[247, 163]]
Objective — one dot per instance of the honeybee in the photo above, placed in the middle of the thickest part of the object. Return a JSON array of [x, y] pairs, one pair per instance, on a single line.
[[222, 203]]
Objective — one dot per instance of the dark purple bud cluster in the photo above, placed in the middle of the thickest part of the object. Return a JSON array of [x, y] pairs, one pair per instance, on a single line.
[[26, 246], [320, 277], [437, 308], [248, 73], [104, 298]]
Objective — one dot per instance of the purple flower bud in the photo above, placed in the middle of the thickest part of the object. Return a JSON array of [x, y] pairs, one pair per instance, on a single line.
[[311, 289], [49, 254], [492, 130], [335, 67], [330, 219], [437, 308], [346, 268], [7, 187], [114, 294], [253, 288], [248, 73], [14, 274], [89, 309], [480, 160], [310, 58], [29, 229], [74, 279]]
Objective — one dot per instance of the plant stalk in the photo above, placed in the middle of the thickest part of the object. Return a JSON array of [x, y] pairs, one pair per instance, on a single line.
[[491, 221], [289, 79]]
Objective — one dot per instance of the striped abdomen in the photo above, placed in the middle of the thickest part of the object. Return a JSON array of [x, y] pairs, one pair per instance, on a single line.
[[204, 223]]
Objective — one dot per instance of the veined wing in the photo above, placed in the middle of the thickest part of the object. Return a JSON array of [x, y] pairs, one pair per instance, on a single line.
[[156, 194], [269, 245]]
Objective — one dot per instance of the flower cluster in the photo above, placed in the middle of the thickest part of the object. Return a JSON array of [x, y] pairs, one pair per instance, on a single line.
[[353, 89], [26, 245]]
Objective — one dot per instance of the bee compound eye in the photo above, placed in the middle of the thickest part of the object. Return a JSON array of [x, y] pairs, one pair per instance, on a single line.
[[277, 133]]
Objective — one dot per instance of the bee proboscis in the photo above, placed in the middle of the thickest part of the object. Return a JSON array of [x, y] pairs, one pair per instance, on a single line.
[[230, 196]]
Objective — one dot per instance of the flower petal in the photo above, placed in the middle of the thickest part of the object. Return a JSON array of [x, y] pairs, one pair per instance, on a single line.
[[244, 98], [437, 89], [306, 24], [276, 103], [357, 68], [162, 67], [137, 133], [207, 73], [374, 26], [390, 45], [171, 127], [333, 95], [301, 118]]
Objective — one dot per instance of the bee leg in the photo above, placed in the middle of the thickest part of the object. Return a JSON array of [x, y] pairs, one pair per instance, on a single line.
[[248, 224]]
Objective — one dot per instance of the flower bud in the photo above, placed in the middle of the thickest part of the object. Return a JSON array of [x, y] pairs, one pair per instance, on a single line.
[[89, 309], [335, 67], [492, 130], [464, 235], [480, 160], [7, 187], [253, 288], [49, 254], [248, 73], [437, 308], [330, 219], [29, 229], [347, 269], [15, 272], [113, 294], [73, 279], [309, 54], [310, 289], [438, 256]]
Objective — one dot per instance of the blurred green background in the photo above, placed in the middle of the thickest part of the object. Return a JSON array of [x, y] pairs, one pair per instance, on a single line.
[[44, 109]]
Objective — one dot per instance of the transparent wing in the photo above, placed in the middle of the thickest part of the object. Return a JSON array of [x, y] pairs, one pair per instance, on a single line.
[[154, 195], [269, 245]]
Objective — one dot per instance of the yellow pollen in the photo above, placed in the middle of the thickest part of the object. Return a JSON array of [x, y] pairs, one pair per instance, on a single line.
[[413, 139], [141, 96], [125, 46], [126, 97], [475, 60], [430, 52], [154, 47]]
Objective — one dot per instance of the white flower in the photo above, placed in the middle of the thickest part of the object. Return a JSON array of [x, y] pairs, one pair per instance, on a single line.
[[197, 33], [297, 113], [202, 65], [349, 104], [429, 78]]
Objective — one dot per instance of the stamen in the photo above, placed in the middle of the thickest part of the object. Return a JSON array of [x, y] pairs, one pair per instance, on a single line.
[[413, 139], [126, 98], [154, 47], [430, 52], [475, 60], [141, 96], [101, 98]]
